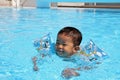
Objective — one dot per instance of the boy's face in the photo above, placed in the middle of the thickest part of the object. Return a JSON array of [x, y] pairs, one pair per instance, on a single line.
[[65, 46]]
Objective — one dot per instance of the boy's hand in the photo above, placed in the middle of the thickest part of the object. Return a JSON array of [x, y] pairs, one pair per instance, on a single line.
[[69, 72], [35, 68]]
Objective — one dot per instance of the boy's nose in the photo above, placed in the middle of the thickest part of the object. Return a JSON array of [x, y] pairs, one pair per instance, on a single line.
[[60, 46]]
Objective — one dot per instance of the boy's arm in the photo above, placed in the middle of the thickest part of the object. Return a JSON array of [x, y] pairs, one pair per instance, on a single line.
[[35, 67]]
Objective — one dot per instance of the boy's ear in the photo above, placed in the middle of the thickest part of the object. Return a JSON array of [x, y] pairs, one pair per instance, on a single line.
[[76, 49]]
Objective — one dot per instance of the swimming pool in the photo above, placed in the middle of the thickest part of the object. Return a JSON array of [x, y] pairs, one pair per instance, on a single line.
[[20, 27]]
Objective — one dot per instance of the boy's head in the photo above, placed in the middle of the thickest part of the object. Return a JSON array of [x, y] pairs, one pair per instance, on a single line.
[[68, 41]]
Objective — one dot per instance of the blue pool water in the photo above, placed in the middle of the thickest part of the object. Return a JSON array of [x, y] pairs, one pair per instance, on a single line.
[[20, 27]]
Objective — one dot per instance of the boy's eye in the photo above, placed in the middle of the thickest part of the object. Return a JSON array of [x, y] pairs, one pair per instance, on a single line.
[[64, 44], [58, 43]]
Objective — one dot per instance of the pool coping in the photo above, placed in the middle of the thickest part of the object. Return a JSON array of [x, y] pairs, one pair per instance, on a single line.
[[84, 5]]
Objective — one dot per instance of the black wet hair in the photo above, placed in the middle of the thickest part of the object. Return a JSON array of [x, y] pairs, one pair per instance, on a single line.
[[72, 32]]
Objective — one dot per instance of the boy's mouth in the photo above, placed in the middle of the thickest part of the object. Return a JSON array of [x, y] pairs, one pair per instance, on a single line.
[[60, 52]]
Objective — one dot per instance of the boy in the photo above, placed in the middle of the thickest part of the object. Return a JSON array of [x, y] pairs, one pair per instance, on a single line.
[[67, 44]]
